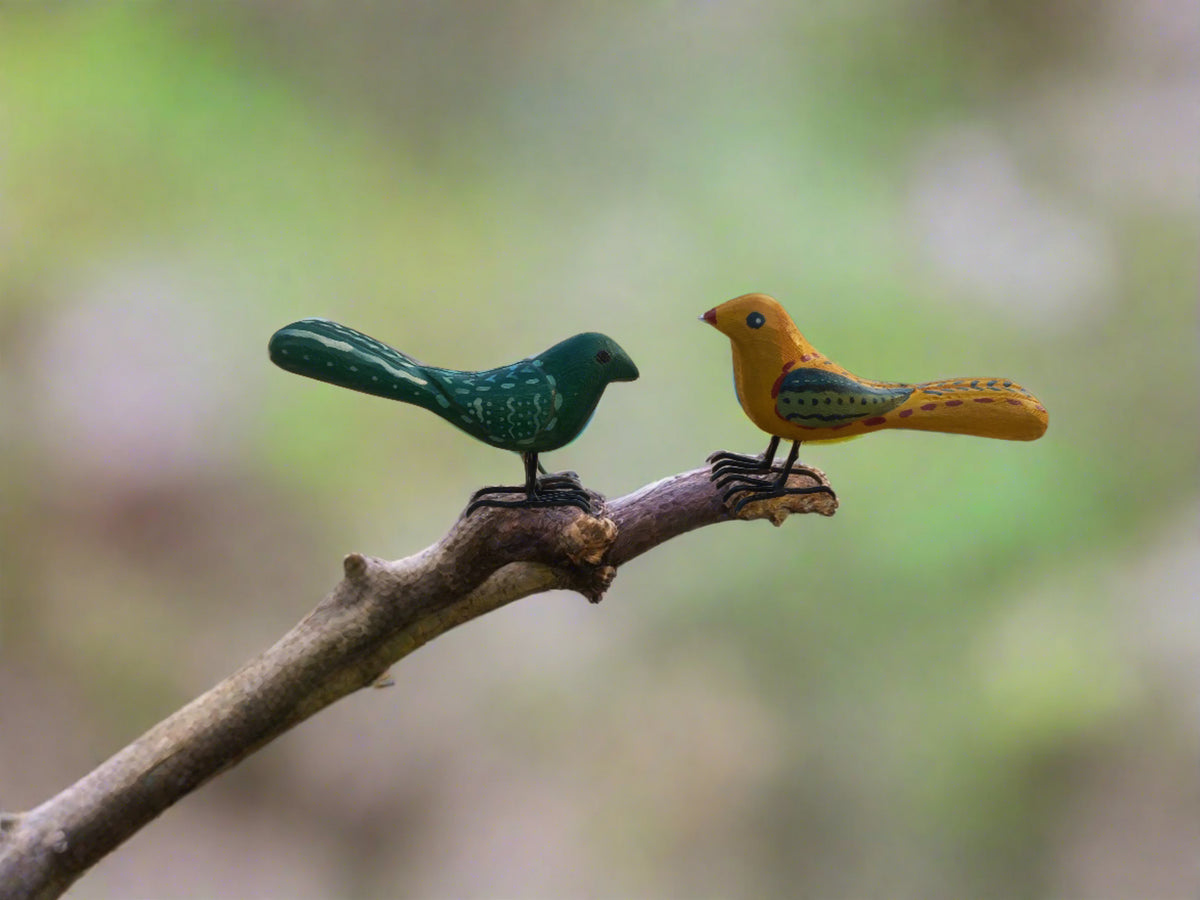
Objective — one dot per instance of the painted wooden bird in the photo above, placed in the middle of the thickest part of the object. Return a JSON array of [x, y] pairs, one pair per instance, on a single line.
[[532, 406], [791, 391]]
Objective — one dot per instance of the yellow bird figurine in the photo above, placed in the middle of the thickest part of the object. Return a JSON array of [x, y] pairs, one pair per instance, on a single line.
[[789, 390]]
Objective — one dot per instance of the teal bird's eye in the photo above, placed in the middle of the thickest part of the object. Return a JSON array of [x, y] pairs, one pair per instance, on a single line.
[[603, 356], [755, 320]]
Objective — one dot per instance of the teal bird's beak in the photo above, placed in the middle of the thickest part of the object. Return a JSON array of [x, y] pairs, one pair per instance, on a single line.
[[619, 366], [624, 370]]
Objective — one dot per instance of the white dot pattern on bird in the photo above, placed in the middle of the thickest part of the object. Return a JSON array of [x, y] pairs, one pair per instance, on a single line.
[[512, 404]]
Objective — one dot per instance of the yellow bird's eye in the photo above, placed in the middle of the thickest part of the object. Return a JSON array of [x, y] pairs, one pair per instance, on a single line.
[[755, 320]]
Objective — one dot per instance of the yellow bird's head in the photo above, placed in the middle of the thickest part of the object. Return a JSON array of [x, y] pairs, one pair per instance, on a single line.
[[756, 319]]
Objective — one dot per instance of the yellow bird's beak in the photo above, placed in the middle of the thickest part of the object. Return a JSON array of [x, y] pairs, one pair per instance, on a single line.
[[710, 317]]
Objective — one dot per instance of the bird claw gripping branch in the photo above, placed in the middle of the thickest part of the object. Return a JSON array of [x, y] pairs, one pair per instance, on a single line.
[[751, 476], [791, 391], [558, 489], [532, 406]]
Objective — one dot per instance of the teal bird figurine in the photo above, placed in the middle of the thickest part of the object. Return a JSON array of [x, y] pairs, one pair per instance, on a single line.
[[530, 407]]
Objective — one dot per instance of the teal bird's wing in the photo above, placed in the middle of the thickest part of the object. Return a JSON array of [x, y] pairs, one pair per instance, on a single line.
[[540, 403], [327, 351], [514, 407], [817, 398]]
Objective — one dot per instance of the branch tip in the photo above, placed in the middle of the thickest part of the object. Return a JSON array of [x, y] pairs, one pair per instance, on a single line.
[[777, 509], [355, 566]]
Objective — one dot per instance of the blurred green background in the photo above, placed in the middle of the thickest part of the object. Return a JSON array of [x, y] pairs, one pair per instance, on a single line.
[[978, 679]]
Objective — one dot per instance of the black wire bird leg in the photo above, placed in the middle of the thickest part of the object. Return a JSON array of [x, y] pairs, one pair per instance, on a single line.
[[559, 489], [742, 474]]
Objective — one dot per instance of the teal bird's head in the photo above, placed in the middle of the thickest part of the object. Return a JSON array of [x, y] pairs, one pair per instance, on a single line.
[[611, 361], [578, 370], [592, 358]]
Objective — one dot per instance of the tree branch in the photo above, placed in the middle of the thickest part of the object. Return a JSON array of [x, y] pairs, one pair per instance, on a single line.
[[379, 613]]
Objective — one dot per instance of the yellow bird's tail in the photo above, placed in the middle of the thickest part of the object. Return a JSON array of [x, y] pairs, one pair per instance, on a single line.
[[985, 407]]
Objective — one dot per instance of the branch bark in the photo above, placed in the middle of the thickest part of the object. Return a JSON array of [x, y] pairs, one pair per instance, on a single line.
[[379, 613]]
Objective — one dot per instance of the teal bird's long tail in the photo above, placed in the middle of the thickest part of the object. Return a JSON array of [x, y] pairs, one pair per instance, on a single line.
[[327, 351]]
